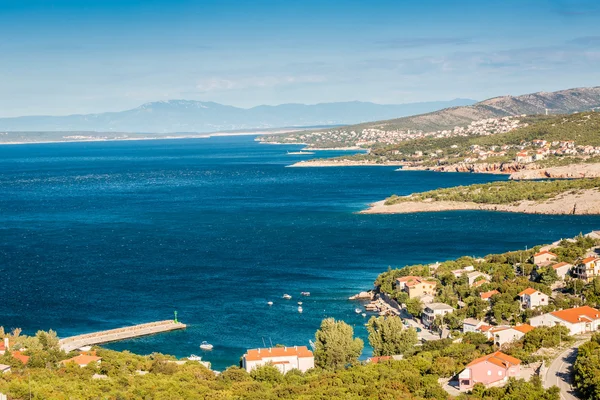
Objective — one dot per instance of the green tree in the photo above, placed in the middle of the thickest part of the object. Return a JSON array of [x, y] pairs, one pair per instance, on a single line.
[[414, 307], [388, 336], [335, 345]]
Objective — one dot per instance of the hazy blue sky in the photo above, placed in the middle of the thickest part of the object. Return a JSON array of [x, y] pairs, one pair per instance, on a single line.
[[61, 56]]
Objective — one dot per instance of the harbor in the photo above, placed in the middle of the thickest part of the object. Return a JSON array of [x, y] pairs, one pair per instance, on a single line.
[[113, 335]]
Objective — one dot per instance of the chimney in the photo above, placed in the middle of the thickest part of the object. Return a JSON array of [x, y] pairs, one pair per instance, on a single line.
[[6, 343]]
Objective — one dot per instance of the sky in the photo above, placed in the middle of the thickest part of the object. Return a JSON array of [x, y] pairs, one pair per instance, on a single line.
[[61, 57]]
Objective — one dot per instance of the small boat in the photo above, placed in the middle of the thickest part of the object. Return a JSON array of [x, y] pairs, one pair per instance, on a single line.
[[364, 314], [270, 303], [287, 296], [206, 346], [357, 310], [299, 303], [293, 153], [305, 293], [299, 309], [194, 357]]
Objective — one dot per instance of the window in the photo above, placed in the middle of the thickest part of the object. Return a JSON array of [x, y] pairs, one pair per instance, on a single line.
[[499, 373], [489, 373]]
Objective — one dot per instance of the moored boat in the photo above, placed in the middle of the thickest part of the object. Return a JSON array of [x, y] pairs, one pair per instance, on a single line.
[[287, 296], [206, 346]]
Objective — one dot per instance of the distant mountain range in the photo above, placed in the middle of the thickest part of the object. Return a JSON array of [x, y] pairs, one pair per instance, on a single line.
[[198, 116]]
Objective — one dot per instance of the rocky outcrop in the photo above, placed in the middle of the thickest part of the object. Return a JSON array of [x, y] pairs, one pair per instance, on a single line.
[[479, 168], [573, 171]]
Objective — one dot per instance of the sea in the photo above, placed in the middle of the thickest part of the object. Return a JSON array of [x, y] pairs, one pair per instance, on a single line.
[[102, 235]]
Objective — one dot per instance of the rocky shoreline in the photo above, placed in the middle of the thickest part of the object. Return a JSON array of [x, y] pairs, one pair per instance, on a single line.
[[583, 202]]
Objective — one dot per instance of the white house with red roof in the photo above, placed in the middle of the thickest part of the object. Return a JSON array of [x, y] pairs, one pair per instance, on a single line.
[[578, 320], [504, 335], [543, 258], [488, 295], [83, 359], [493, 369], [562, 269], [284, 358], [531, 298]]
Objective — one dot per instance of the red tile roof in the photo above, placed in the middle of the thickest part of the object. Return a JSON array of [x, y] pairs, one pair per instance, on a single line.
[[487, 295], [20, 356], [407, 278], [523, 328], [498, 358], [528, 291], [589, 259], [480, 282], [259, 354], [560, 265], [375, 360], [577, 314], [82, 359]]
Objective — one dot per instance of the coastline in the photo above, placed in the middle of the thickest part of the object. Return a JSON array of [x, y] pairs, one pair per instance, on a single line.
[[585, 202], [343, 163], [199, 136]]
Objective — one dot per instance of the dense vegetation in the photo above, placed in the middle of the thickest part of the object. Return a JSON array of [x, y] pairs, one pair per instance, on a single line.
[[586, 369], [501, 192]]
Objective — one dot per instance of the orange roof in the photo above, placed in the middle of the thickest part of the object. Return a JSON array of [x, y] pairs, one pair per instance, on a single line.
[[484, 328], [528, 291], [523, 328], [480, 282], [487, 295], [577, 314], [20, 356], [375, 360], [259, 354], [541, 253], [560, 265], [498, 358], [589, 259], [407, 278], [83, 359]]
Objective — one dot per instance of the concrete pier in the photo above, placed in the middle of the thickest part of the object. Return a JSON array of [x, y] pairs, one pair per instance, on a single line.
[[113, 335]]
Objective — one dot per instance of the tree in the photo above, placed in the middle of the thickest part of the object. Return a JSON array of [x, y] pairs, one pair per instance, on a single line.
[[335, 345], [388, 336], [414, 307], [548, 276]]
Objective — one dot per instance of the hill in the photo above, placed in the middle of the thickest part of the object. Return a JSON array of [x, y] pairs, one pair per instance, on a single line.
[[197, 116], [433, 124]]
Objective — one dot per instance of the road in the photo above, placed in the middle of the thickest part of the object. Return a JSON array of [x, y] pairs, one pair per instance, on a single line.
[[559, 372]]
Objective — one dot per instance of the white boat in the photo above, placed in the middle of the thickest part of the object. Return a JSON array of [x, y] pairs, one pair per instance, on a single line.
[[299, 303], [305, 293], [206, 346], [287, 296], [364, 314], [194, 357], [270, 303], [357, 310], [300, 309]]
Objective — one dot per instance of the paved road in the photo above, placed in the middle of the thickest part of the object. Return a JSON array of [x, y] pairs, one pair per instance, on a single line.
[[559, 372]]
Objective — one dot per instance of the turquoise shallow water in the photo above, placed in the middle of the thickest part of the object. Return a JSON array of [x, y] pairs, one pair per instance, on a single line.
[[101, 235]]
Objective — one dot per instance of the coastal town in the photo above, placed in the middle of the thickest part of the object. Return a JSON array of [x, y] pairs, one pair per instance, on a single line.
[[515, 312]]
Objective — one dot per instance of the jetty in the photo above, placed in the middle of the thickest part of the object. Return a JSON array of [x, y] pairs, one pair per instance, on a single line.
[[113, 335]]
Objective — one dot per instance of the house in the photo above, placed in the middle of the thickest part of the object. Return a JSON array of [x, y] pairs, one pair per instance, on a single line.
[[458, 272], [543, 258], [494, 368], [401, 282], [504, 335], [420, 288], [523, 157], [284, 358], [562, 269], [588, 269], [83, 359], [432, 310], [4, 368], [488, 295], [20, 356], [477, 276], [578, 320], [471, 325], [480, 282], [531, 298]]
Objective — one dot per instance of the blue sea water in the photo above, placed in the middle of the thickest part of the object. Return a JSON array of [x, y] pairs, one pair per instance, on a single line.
[[102, 235]]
